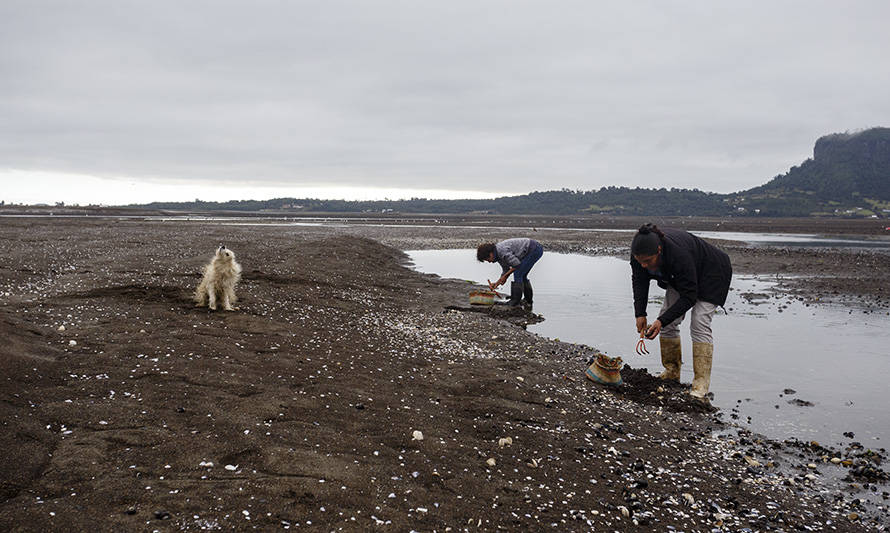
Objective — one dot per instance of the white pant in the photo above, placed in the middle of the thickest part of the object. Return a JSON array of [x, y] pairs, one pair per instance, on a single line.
[[700, 328]]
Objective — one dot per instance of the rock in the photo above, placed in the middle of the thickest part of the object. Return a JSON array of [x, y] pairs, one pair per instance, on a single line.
[[853, 517], [789, 391], [417, 435]]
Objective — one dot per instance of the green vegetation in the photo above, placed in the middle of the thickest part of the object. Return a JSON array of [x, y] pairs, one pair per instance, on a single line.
[[848, 176]]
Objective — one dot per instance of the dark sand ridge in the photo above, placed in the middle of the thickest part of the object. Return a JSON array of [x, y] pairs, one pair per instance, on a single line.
[[312, 391]]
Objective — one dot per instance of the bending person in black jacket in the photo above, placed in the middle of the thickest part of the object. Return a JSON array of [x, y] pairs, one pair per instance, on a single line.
[[696, 276]]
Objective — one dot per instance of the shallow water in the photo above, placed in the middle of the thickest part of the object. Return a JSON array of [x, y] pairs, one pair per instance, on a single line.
[[836, 357], [799, 240]]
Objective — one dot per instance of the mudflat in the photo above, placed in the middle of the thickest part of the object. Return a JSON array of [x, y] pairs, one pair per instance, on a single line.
[[349, 392]]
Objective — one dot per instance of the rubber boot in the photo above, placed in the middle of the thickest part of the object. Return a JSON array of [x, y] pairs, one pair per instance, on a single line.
[[515, 294], [528, 293], [702, 355], [671, 358]]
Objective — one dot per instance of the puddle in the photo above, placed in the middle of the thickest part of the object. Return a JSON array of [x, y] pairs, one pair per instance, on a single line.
[[833, 357], [799, 240]]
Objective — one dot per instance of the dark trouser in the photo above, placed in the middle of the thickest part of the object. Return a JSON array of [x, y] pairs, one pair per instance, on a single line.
[[528, 262]]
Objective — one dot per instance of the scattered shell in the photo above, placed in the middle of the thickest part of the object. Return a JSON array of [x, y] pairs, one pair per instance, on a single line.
[[688, 497], [811, 465], [836, 460], [853, 516], [61, 328], [491, 461], [231, 467], [520, 378], [624, 512], [506, 441], [417, 435], [751, 461], [72, 342]]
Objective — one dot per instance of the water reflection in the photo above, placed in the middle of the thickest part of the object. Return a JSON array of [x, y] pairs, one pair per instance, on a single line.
[[835, 357]]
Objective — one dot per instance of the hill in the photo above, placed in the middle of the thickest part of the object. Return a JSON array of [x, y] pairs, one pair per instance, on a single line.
[[848, 176]]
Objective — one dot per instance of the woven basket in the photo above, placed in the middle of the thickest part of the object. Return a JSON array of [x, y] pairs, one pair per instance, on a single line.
[[482, 297], [605, 370]]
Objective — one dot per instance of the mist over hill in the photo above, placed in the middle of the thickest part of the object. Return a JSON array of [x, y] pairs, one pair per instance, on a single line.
[[848, 176]]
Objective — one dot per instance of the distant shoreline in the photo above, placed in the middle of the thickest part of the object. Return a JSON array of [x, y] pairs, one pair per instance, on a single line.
[[817, 225]]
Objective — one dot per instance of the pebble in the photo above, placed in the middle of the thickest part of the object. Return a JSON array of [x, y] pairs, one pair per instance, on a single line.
[[811, 465], [417, 435], [836, 460]]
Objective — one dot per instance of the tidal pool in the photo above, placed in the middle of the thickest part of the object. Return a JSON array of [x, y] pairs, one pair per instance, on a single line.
[[835, 357]]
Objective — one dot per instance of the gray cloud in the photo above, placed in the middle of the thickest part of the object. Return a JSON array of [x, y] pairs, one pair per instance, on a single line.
[[498, 96]]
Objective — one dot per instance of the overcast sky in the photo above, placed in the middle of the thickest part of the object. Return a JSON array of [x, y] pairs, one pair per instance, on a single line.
[[119, 102]]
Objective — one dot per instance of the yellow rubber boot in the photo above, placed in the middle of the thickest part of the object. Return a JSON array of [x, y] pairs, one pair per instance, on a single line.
[[671, 356], [702, 355]]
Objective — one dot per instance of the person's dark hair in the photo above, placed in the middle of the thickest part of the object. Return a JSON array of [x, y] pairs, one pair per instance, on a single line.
[[484, 250], [647, 240]]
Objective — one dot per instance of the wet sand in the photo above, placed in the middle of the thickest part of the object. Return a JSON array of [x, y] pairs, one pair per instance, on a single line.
[[299, 410]]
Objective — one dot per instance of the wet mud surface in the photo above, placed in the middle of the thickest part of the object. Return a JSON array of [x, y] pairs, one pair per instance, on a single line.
[[125, 408]]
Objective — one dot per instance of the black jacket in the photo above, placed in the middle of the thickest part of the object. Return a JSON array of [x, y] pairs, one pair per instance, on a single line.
[[695, 269]]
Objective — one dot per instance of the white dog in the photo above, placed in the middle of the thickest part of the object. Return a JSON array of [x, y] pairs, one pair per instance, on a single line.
[[218, 284]]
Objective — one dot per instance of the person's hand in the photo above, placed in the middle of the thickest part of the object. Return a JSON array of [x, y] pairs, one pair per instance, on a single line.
[[653, 330], [493, 286], [641, 324]]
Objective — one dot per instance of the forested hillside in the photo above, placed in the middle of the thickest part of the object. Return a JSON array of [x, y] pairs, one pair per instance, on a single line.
[[849, 175]]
